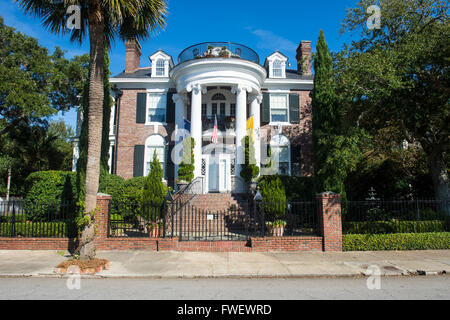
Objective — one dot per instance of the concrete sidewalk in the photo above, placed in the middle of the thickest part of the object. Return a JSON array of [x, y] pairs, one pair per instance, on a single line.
[[132, 264]]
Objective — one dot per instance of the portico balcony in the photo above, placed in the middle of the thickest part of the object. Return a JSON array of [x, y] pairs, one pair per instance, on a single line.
[[224, 123], [218, 50]]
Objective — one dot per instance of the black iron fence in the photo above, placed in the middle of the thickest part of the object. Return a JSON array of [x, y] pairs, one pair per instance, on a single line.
[[188, 223], [396, 216], [37, 219]]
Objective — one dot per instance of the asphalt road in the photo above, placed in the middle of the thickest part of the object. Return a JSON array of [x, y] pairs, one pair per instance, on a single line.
[[426, 287]]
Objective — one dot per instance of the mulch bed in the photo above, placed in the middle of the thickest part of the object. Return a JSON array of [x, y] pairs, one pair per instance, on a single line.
[[86, 266]]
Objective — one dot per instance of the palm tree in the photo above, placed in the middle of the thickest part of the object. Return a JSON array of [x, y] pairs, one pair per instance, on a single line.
[[103, 21]]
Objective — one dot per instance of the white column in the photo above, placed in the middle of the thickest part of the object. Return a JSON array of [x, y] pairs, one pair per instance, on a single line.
[[241, 120], [111, 145], [179, 100], [177, 136], [196, 124], [76, 154], [255, 103]]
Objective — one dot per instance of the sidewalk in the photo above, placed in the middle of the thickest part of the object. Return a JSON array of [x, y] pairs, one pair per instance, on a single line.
[[223, 265]]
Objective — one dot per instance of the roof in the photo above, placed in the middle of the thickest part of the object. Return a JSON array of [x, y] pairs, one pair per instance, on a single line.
[[139, 73], [294, 74]]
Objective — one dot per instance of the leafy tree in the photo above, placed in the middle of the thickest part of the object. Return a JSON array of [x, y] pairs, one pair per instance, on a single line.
[[249, 169], [154, 191], [336, 145], [186, 168], [398, 76], [103, 21], [34, 84], [274, 195]]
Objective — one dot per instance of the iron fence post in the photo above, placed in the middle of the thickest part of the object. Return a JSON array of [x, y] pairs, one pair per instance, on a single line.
[[13, 230]]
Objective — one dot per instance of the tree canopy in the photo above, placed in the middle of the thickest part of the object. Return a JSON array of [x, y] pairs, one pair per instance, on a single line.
[[398, 76]]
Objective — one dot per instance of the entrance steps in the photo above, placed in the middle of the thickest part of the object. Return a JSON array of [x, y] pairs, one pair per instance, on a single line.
[[216, 202]]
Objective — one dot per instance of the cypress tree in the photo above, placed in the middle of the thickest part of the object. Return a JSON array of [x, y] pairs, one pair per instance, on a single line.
[[325, 118], [154, 191]]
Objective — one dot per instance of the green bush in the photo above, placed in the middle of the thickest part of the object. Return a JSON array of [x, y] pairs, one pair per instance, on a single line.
[[186, 167], [15, 218], [38, 229], [47, 190], [154, 192], [273, 192], [396, 241], [297, 188], [378, 227], [250, 170]]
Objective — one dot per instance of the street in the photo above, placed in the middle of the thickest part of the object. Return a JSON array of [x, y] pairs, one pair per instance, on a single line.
[[406, 287]]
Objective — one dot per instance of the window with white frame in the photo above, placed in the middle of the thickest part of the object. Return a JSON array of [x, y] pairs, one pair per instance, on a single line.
[[279, 107], [280, 147], [156, 107], [160, 68], [277, 69], [155, 143]]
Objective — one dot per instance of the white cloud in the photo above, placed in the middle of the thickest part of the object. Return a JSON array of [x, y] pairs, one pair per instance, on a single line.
[[269, 40]]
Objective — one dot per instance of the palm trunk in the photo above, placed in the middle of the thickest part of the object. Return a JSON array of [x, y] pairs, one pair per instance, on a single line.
[[95, 120], [440, 179]]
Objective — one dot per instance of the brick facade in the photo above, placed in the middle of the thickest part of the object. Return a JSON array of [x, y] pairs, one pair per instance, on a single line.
[[130, 133], [298, 134]]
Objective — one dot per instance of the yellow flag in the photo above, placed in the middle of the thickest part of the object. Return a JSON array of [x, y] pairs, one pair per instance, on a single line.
[[250, 128]]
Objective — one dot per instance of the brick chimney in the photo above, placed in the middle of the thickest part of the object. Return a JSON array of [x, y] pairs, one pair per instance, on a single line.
[[304, 58], [133, 55]]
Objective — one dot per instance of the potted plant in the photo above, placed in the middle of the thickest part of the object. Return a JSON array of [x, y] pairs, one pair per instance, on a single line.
[[155, 229], [276, 228]]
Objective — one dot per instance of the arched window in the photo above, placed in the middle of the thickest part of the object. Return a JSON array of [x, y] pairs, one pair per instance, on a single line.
[[155, 143], [280, 146], [160, 68], [218, 97], [277, 69]]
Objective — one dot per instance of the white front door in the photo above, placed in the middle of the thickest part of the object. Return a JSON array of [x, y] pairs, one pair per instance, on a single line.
[[219, 173]]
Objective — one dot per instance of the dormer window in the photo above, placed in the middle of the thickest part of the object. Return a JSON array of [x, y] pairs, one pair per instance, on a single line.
[[160, 68], [277, 69], [276, 65], [161, 64]]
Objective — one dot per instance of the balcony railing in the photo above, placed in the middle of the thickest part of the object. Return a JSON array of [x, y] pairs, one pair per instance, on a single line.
[[218, 50], [223, 122]]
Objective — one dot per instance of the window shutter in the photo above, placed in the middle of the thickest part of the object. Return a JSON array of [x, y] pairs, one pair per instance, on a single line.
[[266, 108], [170, 166], [138, 168], [295, 160], [141, 106], [294, 108], [170, 108]]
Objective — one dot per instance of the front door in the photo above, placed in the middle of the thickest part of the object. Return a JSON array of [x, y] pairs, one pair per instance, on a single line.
[[218, 173]]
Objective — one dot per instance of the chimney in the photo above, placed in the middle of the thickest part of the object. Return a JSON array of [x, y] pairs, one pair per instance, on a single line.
[[304, 58], [133, 56]]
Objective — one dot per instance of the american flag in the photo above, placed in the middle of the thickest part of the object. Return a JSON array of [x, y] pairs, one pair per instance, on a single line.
[[214, 135]]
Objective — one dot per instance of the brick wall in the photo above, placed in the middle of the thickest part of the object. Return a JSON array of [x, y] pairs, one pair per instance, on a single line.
[[330, 238], [330, 220]]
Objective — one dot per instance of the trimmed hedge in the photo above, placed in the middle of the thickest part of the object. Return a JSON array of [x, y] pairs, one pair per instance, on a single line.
[[38, 229], [47, 190], [396, 241], [382, 227]]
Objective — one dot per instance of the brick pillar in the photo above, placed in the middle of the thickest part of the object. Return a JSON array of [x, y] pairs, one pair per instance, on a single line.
[[101, 218], [330, 220]]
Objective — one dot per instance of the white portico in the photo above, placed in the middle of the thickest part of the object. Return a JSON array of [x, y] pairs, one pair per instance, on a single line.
[[219, 88]]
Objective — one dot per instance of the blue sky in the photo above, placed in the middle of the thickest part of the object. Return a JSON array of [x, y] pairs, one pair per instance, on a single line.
[[264, 26]]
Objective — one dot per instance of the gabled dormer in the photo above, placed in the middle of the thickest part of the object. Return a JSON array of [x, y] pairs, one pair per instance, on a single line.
[[161, 64], [275, 65]]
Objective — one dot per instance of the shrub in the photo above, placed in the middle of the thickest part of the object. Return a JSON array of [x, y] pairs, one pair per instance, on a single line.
[[126, 196], [396, 241], [378, 227], [273, 192], [250, 170], [38, 229], [186, 167], [154, 191], [46, 190]]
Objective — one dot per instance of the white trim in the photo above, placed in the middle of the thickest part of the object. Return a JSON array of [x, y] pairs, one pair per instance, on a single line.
[[285, 94]]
